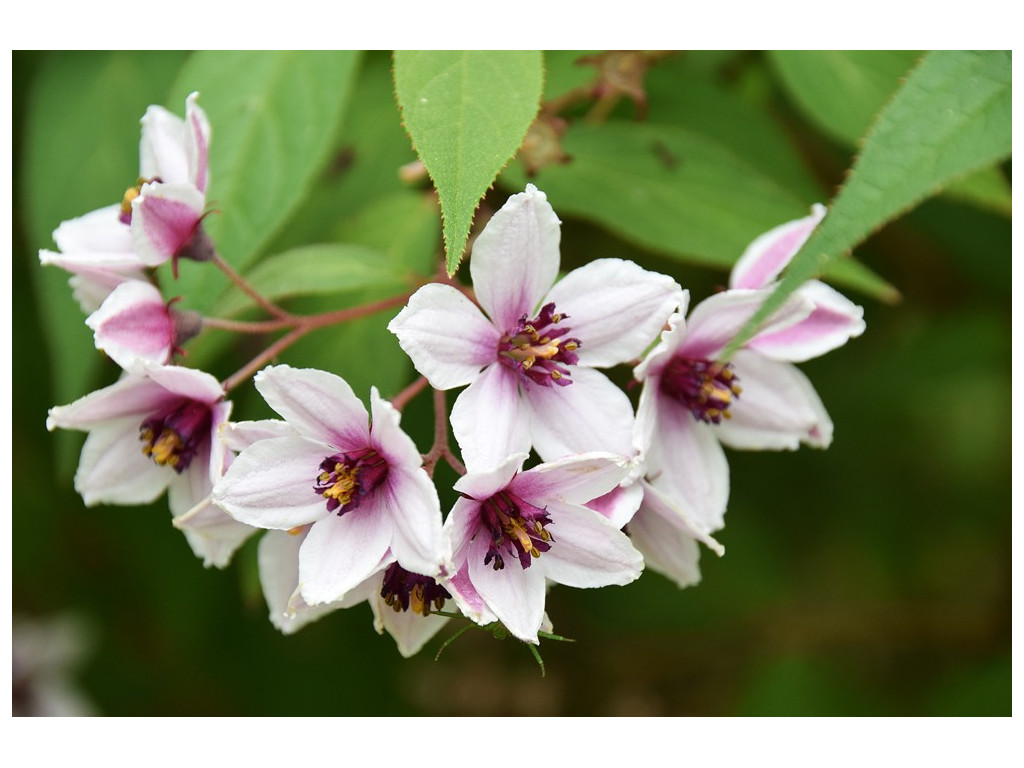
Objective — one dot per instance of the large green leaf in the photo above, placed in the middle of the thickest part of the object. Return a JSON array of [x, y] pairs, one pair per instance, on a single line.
[[951, 117], [670, 190], [274, 117], [81, 153], [843, 91], [467, 113]]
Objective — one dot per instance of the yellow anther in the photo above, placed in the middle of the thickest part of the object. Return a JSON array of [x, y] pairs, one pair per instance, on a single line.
[[126, 202], [556, 375], [556, 319], [714, 413], [296, 530], [416, 600], [570, 346], [528, 362], [164, 450]]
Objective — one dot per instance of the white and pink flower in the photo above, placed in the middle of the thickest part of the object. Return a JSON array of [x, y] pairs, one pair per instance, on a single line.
[[692, 402], [153, 430], [514, 531], [360, 485], [531, 360]]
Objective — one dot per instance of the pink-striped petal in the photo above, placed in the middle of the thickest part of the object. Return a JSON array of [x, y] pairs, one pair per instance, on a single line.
[[411, 501], [834, 320], [515, 258], [716, 320], [574, 479], [134, 324], [666, 547], [769, 254], [619, 505], [164, 220], [197, 143]]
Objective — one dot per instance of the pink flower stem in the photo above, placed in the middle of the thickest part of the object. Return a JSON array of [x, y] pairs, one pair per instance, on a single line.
[[300, 325], [440, 448], [402, 399], [255, 295]]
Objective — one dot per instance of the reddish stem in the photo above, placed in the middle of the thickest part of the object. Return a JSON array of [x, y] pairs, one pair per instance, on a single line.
[[253, 294], [402, 399], [440, 448]]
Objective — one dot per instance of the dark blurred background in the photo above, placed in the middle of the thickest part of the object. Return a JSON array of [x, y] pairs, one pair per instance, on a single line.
[[872, 578]]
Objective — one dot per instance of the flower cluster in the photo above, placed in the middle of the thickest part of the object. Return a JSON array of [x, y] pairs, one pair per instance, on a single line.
[[348, 502]]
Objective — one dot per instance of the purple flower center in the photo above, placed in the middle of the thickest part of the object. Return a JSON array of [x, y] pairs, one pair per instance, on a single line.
[[346, 478], [517, 529], [704, 387], [403, 590], [538, 350], [172, 437]]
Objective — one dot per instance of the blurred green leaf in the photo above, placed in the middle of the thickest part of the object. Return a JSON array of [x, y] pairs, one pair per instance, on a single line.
[[951, 117], [404, 226], [274, 117], [315, 269], [467, 113], [81, 153], [670, 190], [843, 91], [681, 91]]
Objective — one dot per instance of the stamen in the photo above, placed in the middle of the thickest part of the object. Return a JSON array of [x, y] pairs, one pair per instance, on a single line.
[[403, 591], [516, 527], [172, 437], [346, 478], [130, 194], [537, 349], [706, 388]]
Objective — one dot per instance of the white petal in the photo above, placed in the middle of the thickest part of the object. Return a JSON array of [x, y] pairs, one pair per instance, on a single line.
[[193, 485], [591, 414], [387, 437], [410, 630], [575, 479], [615, 308], [185, 382], [833, 322], [197, 143], [279, 575], [319, 404], [97, 232], [113, 469], [461, 526], [687, 458], [619, 505], [588, 551], [483, 485], [446, 335], [239, 435], [716, 320], [778, 409], [133, 396], [271, 484], [133, 323], [162, 149], [411, 500], [669, 341], [514, 594], [666, 548], [659, 501], [341, 552], [488, 419], [769, 254], [213, 535], [515, 258]]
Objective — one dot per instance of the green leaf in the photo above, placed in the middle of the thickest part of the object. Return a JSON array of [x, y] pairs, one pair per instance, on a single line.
[[467, 113], [404, 226], [81, 153], [843, 91], [274, 117], [951, 117], [315, 270]]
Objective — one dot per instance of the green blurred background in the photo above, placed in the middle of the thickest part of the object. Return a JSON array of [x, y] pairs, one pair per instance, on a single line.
[[872, 578]]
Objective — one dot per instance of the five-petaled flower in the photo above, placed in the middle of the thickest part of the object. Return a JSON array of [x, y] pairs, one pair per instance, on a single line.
[[153, 430], [360, 485], [512, 531], [692, 402], [530, 361]]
